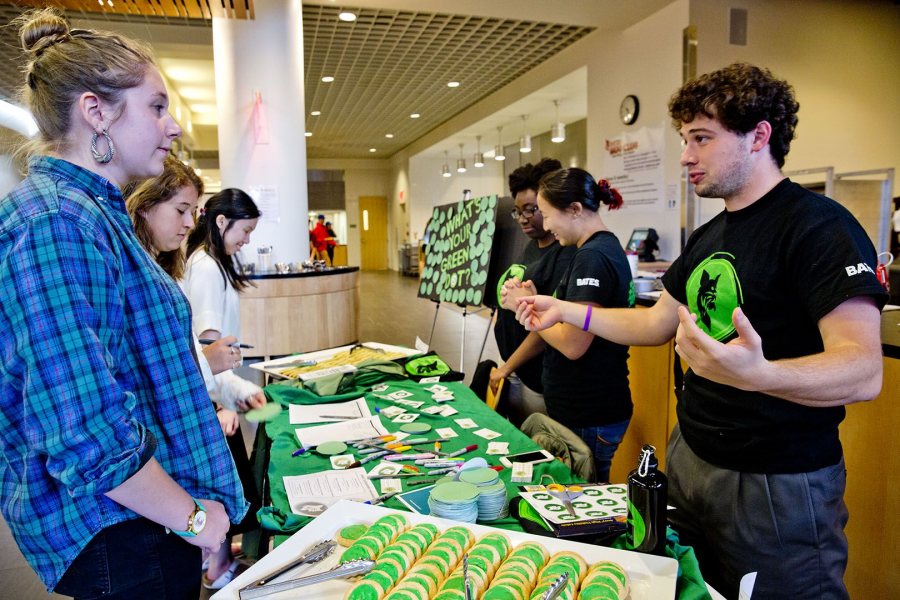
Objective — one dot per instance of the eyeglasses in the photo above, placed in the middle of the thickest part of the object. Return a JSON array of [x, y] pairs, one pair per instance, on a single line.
[[529, 212]]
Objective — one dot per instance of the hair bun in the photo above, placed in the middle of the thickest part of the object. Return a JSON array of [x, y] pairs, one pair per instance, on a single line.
[[42, 28]]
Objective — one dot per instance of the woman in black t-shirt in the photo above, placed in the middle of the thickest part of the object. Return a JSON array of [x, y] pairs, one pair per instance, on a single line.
[[585, 378]]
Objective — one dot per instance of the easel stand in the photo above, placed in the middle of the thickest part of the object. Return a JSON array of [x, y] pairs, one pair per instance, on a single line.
[[462, 343]]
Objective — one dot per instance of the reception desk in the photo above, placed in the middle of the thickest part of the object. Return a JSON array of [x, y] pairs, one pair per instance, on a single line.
[[871, 453], [299, 312]]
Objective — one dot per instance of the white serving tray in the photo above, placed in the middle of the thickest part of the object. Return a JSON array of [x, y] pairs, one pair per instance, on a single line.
[[271, 366], [652, 577]]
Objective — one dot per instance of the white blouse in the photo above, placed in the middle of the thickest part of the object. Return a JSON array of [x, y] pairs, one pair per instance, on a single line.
[[214, 303]]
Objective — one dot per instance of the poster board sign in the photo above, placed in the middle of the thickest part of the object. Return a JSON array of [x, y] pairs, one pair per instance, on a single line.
[[460, 237], [634, 163]]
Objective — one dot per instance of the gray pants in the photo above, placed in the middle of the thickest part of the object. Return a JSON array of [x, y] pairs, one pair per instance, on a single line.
[[787, 527], [523, 401]]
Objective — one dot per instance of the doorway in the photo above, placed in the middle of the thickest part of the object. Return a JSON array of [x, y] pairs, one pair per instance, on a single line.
[[373, 233]]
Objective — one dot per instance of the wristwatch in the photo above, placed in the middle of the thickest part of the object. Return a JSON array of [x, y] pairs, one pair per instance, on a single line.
[[196, 521]]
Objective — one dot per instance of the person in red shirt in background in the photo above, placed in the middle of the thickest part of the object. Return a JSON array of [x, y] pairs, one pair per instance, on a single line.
[[319, 236]]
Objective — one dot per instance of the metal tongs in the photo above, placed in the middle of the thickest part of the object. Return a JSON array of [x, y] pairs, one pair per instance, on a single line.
[[264, 586], [467, 587], [556, 587]]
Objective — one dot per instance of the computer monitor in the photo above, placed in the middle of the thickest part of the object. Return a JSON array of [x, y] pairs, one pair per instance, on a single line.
[[636, 242], [643, 242]]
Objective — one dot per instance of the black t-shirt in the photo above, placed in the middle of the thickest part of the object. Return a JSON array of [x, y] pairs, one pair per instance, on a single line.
[[788, 259], [545, 267], [592, 390]]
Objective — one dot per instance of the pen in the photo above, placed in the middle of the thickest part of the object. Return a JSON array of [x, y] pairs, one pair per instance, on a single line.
[[394, 457], [463, 450], [376, 446], [298, 452], [442, 471], [409, 469], [343, 417], [421, 482], [381, 498], [366, 459], [207, 342], [438, 464]]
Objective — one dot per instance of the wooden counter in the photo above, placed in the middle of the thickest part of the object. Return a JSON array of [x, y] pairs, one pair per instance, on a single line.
[[300, 312], [872, 456], [871, 452]]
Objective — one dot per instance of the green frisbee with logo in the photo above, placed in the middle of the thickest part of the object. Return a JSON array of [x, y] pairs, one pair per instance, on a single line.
[[331, 448], [415, 428]]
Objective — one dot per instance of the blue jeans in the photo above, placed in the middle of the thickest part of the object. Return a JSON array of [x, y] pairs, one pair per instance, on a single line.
[[134, 560], [603, 440]]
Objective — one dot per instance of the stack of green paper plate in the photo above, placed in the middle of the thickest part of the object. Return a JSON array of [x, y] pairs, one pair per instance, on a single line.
[[493, 502], [454, 500]]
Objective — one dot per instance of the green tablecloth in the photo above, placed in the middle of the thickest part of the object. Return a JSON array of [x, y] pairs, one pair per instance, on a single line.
[[284, 440], [284, 443]]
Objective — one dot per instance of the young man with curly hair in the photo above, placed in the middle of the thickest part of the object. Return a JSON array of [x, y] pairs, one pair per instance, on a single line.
[[774, 306]]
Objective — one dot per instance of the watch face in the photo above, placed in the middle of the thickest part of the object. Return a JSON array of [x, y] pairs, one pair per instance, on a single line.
[[628, 110], [199, 521]]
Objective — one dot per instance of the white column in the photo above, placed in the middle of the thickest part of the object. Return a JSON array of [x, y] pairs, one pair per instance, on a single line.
[[265, 55]]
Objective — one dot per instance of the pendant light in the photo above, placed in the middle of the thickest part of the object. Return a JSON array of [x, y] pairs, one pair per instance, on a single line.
[[479, 155], [525, 140], [498, 149], [558, 131], [445, 168], [461, 162]]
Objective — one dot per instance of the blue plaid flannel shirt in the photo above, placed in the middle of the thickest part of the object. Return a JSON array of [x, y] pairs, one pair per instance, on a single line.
[[97, 369]]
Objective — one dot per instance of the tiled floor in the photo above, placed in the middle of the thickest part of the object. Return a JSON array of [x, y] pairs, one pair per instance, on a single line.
[[390, 313]]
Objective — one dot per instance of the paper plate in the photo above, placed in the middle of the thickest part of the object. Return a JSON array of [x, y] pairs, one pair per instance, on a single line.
[[415, 428], [331, 448], [268, 412]]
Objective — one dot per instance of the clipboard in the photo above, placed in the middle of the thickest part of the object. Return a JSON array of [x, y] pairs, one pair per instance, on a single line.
[[492, 398]]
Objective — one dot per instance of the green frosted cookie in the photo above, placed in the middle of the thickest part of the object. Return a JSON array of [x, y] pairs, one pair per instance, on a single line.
[[502, 592], [599, 591], [381, 577], [349, 534], [365, 590]]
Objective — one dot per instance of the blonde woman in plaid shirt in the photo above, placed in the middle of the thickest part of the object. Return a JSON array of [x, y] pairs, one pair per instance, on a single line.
[[109, 438]]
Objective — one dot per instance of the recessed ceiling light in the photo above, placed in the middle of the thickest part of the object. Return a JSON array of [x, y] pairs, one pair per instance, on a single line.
[[372, 150], [316, 113], [347, 16], [327, 79], [308, 134], [414, 116], [389, 136], [452, 84]]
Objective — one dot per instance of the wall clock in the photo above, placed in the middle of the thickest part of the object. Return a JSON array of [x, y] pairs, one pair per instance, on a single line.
[[629, 109]]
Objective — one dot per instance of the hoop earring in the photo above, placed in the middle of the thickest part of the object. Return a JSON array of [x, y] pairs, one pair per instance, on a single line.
[[110, 152]]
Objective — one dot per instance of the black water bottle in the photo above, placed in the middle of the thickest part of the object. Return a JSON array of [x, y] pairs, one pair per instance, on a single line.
[[647, 497]]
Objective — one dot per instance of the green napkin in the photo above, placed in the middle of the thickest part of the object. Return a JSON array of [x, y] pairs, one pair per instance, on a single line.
[[273, 519], [690, 584]]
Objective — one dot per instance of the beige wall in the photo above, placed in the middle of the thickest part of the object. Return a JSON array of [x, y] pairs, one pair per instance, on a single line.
[[843, 59], [362, 177], [651, 71]]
